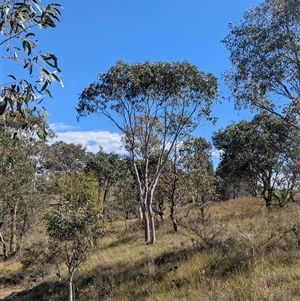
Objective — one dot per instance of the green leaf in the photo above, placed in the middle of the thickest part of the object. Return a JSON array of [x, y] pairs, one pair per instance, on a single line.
[[56, 77], [27, 47], [30, 34], [45, 85], [45, 71], [13, 77], [48, 92], [42, 134], [3, 105]]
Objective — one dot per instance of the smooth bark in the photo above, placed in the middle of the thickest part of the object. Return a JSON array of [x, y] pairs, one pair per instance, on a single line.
[[4, 247]]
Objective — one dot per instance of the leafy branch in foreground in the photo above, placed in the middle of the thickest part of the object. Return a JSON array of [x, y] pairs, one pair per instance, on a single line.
[[18, 24]]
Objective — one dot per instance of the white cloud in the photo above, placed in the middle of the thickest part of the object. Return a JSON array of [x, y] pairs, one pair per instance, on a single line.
[[216, 153], [92, 140], [61, 126]]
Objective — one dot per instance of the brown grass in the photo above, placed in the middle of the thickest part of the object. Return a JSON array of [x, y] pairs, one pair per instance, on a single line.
[[241, 252]]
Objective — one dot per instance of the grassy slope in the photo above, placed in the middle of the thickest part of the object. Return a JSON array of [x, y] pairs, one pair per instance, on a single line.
[[242, 252]]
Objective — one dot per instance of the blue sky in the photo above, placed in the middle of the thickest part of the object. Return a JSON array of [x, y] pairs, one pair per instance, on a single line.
[[94, 34]]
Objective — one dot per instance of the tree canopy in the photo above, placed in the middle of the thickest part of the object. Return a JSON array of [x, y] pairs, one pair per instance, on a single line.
[[265, 58], [153, 105], [262, 151]]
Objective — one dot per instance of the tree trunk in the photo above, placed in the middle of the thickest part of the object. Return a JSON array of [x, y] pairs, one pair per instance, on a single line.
[[202, 209], [146, 225], [234, 192], [152, 225], [174, 223], [99, 194], [105, 196], [173, 217], [151, 220], [70, 287], [173, 202], [13, 229], [270, 197], [140, 212], [4, 247]]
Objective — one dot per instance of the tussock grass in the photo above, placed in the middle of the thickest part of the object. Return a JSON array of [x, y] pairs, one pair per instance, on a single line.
[[241, 252]]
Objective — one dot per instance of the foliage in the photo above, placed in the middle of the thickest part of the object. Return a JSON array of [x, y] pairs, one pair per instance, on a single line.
[[262, 152], [18, 27], [64, 157], [195, 159], [153, 105], [125, 196], [231, 184], [74, 223], [108, 169], [187, 178], [20, 187], [75, 220], [264, 53]]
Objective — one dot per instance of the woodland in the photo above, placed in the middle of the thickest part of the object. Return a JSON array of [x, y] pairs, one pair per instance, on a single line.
[[160, 222]]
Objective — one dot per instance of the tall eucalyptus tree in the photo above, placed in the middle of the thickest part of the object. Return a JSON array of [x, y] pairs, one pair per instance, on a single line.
[[153, 105]]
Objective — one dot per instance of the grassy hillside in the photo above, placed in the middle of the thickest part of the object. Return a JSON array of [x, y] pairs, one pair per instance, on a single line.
[[242, 252]]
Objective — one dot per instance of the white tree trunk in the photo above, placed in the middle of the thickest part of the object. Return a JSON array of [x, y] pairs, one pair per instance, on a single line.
[[70, 287], [139, 212]]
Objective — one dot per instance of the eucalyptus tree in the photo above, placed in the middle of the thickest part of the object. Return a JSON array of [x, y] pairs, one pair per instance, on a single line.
[[195, 160], [64, 157], [154, 105], [232, 183], [108, 169], [74, 222], [19, 25], [264, 53], [16, 193], [172, 192], [20, 186], [263, 151], [187, 180]]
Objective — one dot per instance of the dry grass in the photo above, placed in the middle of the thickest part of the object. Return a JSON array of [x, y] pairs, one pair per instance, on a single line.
[[242, 252]]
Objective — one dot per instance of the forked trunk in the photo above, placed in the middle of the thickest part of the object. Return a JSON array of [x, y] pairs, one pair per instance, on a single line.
[[149, 223]]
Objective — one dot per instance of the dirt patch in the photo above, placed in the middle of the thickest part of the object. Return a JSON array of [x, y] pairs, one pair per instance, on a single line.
[[7, 293]]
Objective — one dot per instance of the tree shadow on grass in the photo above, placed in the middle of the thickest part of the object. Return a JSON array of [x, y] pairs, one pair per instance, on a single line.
[[125, 239], [138, 280], [43, 292], [104, 281]]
